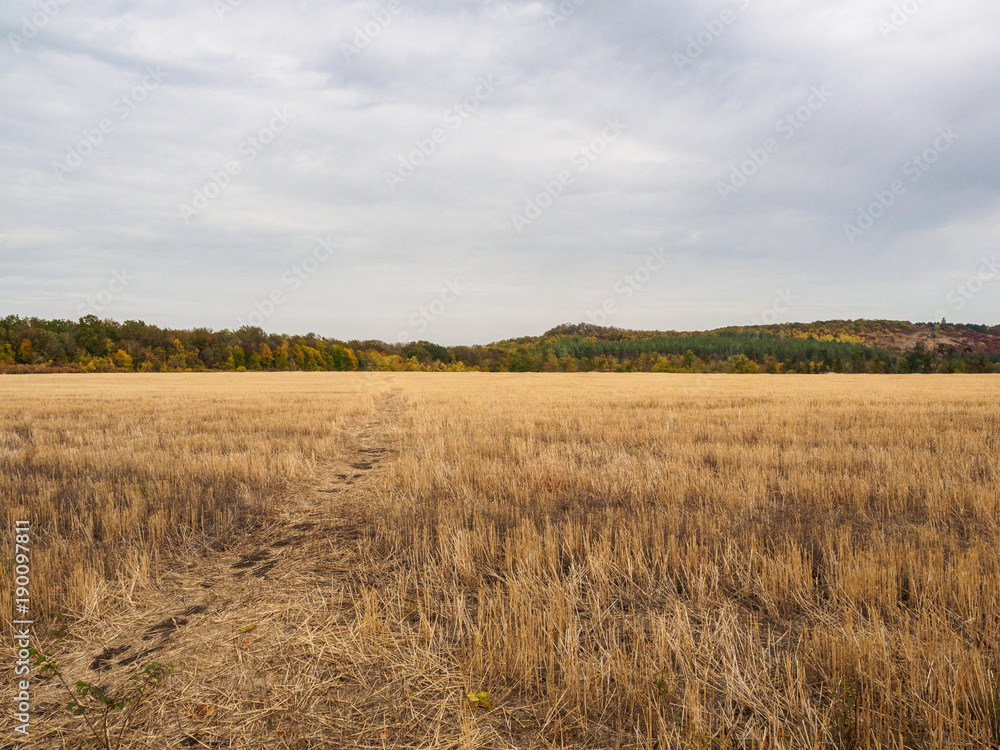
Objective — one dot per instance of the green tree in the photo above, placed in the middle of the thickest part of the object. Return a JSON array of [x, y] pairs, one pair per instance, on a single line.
[[91, 335], [438, 352], [342, 358], [419, 353], [743, 365], [281, 357], [858, 362], [521, 360]]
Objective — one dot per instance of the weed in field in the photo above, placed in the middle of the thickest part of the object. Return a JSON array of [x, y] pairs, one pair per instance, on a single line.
[[109, 715]]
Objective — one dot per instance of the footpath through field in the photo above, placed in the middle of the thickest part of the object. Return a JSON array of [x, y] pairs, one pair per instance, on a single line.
[[241, 626]]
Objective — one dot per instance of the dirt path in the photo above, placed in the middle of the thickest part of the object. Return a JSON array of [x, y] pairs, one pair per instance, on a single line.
[[239, 624]]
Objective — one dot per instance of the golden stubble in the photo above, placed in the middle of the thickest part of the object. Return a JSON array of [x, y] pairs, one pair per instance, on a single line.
[[113, 470], [619, 560], [795, 561]]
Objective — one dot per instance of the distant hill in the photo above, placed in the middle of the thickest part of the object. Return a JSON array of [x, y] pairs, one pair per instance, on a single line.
[[853, 346], [885, 335]]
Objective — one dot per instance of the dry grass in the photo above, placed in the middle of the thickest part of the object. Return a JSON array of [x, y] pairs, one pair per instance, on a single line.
[[621, 561], [114, 470]]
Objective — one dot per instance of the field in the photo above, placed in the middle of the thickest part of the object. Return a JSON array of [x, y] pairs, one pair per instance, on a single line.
[[620, 561]]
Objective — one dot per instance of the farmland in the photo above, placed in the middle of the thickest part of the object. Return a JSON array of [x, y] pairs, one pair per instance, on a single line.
[[616, 560]]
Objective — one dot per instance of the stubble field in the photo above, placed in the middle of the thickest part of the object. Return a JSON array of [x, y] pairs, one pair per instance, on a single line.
[[338, 560]]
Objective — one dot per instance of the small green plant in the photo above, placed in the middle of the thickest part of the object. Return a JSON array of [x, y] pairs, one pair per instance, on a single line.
[[480, 700], [97, 707], [662, 687], [845, 704]]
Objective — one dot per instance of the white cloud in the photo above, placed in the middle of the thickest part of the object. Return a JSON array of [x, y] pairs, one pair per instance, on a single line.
[[324, 173]]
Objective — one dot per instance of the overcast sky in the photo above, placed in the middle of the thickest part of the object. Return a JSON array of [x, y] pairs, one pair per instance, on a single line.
[[468, 171]]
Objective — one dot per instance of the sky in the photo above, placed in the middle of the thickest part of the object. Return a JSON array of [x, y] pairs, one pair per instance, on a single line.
[[474, 170]]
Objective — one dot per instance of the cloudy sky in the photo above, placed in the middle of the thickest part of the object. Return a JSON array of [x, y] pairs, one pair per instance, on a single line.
[[471, 170]]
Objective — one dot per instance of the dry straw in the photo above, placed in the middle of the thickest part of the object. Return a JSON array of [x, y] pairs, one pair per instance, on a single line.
[[616, 561]]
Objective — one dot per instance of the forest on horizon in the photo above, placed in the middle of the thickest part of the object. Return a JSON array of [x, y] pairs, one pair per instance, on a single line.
[[33, 345]]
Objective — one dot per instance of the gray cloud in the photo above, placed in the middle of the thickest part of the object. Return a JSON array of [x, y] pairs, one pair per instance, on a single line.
[[704, 88]]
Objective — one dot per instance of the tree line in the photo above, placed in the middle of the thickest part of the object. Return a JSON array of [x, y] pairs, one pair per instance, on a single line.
[[94, 345]]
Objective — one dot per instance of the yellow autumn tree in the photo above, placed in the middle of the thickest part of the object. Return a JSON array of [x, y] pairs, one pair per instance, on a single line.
[[122, 360], [26, 355]]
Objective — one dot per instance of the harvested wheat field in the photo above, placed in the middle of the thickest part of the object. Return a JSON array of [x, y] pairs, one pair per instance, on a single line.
[[512, 561]]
